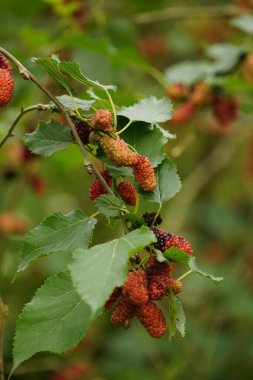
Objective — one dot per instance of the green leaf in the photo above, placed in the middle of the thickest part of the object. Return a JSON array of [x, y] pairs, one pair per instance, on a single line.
[[151, 110], [98, 270], [176, 316], [48, 138], [81, 104], [109, 205], [135, 220], [168, 183], [189, 72], [52, 67], [244, 23], [57, 233], [148, 141], [194, 267], [175, 254], [55, 320], [74, 71], [159, 256]]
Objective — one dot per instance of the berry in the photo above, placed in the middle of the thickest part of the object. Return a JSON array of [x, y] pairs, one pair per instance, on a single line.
[[176, 286], [127, 193], [144, 174], [152, 319], [177, 91], [201, 94], [102, 120], [179, 242], [83, 129], [113, 297], [162, 238], [158, 279], [4, 64], [183, 113], [225, 108], [149, 218], [123, 313], [96, 189], [6, 87], [135, 288], [117, 152]]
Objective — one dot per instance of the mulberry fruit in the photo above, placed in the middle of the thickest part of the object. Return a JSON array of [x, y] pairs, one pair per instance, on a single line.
[[4, 64], [83, 129], [162, 238], [177, 91], [135, 288], [117, 152], [201, 94], [149, 219], [127, 193], [113, 297], [6, 87], [225, 109], [179, 242], [183, 113], [158, 279], [247, 69], [103, 120], [144, 174], [152, 319], [123, 312], [96, 189]]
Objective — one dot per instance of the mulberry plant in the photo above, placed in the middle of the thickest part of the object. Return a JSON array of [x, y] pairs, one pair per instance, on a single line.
[[125, 160]]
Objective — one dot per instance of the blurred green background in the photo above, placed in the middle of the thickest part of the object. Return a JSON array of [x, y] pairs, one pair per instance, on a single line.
[[129, 44]]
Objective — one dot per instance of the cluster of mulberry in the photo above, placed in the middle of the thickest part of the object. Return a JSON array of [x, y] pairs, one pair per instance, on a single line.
[[224, 106], [146, 285], [133, 300], [6, 82]]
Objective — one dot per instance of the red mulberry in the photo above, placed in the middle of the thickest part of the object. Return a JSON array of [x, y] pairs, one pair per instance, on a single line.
[[6, 87], [179, 242], [96, 189], [144, 174], [158, 279], [118, 152], [135, 288], [127, 193], [184, 113], [123, 313], [225, 109], [152, 319], [113, 297], [4, 64], [103, 120]]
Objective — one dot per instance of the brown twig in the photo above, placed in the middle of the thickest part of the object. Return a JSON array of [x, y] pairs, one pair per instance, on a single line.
[[23, 111], [27, 75], [3, 314], [187, 12]]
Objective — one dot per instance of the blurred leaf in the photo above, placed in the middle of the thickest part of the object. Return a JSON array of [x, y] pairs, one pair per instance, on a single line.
[[168, 183], [151, 110], [193, 266], [82, 104], [55, 320], [177, 255], [98, 270], [226, 56], [244, 23], [147, 141], [49, 137], [109, 205], [56, 233], [188, 72], [176, 315]]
